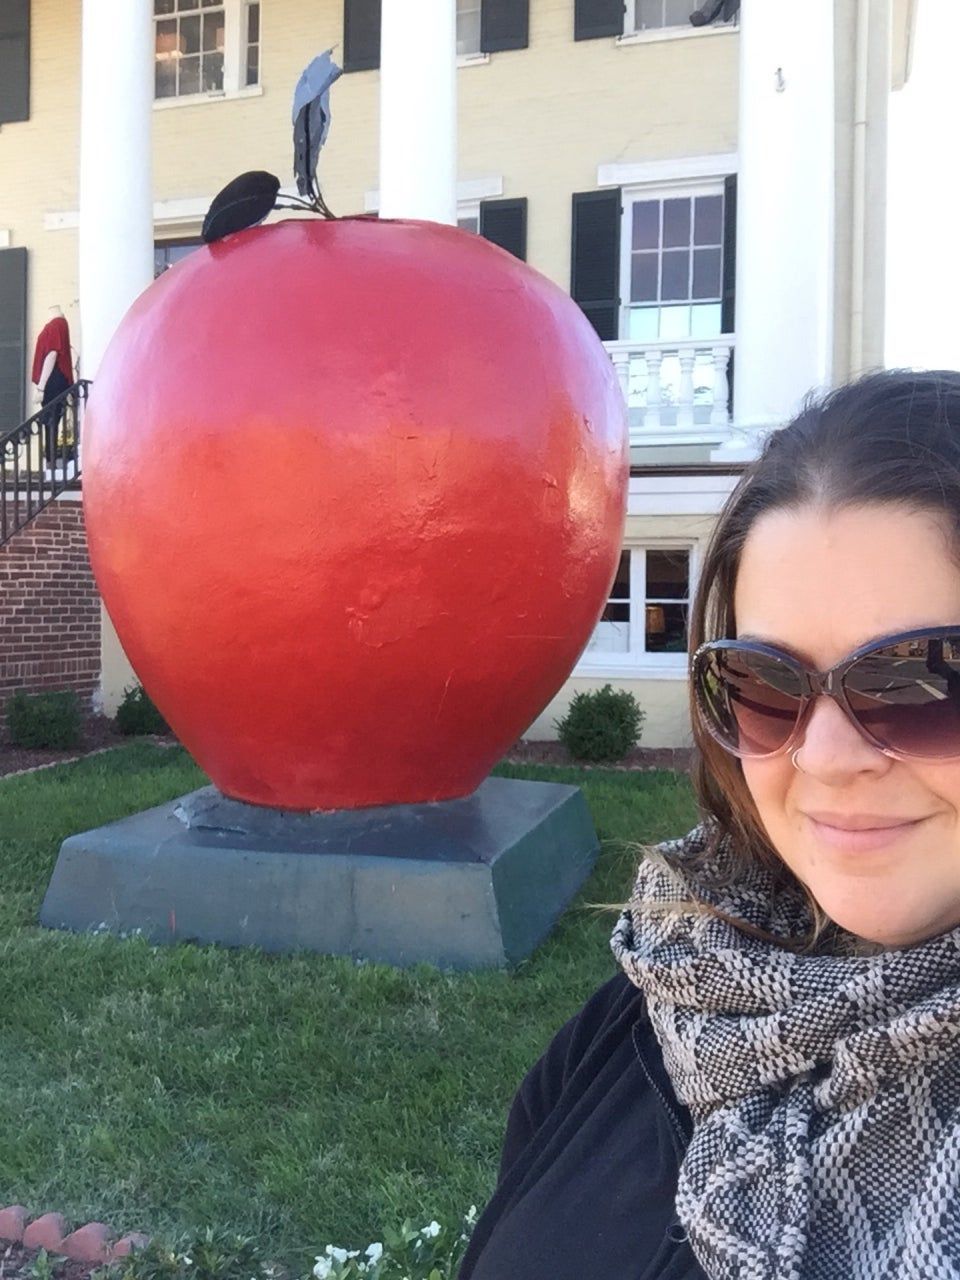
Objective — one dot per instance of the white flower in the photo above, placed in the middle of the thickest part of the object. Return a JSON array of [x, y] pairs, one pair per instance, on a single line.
[[323, 1268], [187, 1262], [472, 1214], [375, 1252], [433, 1230]]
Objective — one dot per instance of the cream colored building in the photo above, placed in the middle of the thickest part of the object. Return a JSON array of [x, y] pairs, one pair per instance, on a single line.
[[703, 191]]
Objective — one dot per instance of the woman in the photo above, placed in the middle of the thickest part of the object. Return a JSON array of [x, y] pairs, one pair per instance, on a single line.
[[769, 1088]]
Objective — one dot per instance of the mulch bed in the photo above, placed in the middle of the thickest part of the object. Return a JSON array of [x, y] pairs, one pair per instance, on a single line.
[[16, 1261], [97, 733], [556, 753]]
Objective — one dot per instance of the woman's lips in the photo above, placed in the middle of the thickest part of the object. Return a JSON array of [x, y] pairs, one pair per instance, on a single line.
[[847, 840]]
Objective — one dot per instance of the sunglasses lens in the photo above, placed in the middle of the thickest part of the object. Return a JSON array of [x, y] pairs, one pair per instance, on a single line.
[[749, 700], [907, 696]]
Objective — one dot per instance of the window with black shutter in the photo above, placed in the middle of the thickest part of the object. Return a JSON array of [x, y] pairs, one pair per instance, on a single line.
[[504, 24], [361, 35], [595, 259], [13, 338], [594, 18], [505, 223], [14, 61]]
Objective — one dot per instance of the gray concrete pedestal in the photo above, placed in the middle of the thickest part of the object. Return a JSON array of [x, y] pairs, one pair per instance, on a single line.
[[464, 884]]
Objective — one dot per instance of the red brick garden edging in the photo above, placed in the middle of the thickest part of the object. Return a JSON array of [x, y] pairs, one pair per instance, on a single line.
[[94, 1242]]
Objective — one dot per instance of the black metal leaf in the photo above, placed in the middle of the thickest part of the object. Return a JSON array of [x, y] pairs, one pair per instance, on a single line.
[[311, 118], [715, 11], [242, 203]]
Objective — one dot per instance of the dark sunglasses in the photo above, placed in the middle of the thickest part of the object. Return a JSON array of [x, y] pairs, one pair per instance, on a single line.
[[901, 692]]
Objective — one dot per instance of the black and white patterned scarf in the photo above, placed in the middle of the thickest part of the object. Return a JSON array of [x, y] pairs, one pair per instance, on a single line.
[[824, 1088]]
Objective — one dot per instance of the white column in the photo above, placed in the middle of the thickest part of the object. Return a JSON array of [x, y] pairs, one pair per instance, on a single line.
[[116, 212], [116, 190], [418, 110], [785, 210]]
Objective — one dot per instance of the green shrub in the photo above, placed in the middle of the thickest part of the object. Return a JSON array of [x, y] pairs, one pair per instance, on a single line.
[[137, 714], [601, 724], [44, 720]]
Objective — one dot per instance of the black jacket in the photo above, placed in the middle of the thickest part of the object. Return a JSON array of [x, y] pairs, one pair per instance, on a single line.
[[590, 1158]]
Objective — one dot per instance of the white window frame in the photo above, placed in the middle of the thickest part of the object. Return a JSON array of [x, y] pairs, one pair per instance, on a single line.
[[234, 60], [656, 191], [637, 661], [681, 32]]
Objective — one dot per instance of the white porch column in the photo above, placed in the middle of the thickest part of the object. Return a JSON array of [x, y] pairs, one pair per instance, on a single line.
[[116, 211], [116, 189], [418, 110], [785, 213]]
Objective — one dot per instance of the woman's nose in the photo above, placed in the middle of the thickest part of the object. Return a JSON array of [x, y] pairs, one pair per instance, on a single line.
[[831, 746]]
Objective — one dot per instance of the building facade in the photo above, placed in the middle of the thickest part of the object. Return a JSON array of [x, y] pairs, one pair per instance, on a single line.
[[712, 196]]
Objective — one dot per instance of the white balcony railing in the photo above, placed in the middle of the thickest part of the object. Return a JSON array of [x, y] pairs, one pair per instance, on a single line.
[[675, 389]]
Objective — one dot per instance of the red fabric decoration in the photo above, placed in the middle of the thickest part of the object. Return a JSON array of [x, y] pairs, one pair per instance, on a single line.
[[54, 336]]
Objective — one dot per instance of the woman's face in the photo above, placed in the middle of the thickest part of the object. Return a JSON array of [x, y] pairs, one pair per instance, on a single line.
[[820, 584]]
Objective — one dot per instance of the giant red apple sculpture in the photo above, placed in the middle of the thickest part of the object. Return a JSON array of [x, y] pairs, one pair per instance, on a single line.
[[354, 493]]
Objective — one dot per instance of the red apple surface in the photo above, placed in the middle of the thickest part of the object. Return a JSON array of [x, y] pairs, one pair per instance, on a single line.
[[354, 494]]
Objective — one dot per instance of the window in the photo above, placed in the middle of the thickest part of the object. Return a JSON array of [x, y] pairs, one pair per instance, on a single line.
[[646, 614], [468, 28], [253, 44], [654, 15], [168, 252], [672, 263], [205, 46]]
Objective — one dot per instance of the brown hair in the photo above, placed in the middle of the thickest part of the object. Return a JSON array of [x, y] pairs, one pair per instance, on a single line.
[[890, 438]]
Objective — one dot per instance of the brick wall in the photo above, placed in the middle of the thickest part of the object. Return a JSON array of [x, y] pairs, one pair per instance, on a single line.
[[49, 608]]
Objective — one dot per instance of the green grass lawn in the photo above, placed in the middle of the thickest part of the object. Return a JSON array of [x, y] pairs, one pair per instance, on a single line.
[[301, 1099]]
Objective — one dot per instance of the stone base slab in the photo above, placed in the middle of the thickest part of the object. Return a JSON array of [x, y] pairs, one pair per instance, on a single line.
[[472, 883]]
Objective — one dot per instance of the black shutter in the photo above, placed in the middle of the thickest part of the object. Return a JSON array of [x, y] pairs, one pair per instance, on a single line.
[[505, 223], [592, 18], [728, 310], [361, 35], [14, 60], [504, 24], [13, 323], [595, 258]]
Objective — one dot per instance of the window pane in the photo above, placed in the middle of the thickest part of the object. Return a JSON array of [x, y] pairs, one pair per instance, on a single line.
[[621, 583], [211, 4], [468, 30], [705, 320], [165, 82], [212, 72], [644, 324], [163, 6], [253, 65], [677, 12], [643, 277], [469, 224], [708, 220], [213, 31], [190, 35], [649, 14], [666, 628], [188, 4], [674, 323], [646, 224], [676, 275], [668, 575], [166, 37], [676, 222], [706, 273], [616, 611], [253, 23], [189, 75]]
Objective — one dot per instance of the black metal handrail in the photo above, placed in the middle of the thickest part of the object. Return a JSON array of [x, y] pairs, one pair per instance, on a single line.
[[40, 458]]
